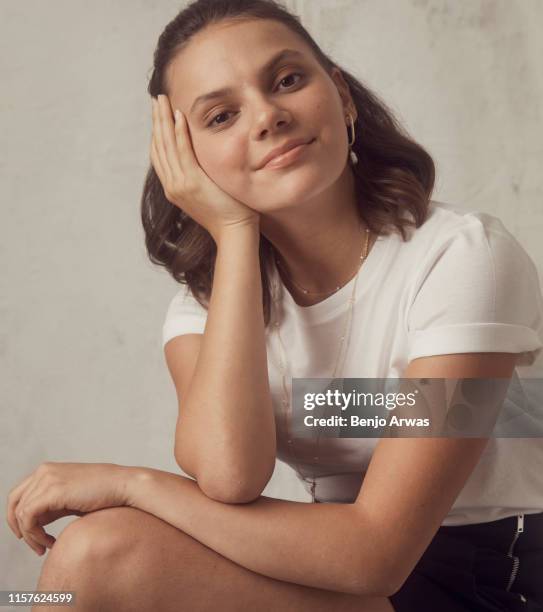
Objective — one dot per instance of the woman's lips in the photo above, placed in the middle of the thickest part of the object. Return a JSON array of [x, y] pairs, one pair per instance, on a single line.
[[289, 157]]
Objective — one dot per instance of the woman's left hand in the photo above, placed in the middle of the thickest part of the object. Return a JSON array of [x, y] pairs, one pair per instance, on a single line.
[[55, 490]]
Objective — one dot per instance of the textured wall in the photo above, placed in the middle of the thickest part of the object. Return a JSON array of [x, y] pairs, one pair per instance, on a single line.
[[84, 378]]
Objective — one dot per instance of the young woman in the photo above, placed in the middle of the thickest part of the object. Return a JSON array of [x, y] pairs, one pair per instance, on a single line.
[[299, 216]]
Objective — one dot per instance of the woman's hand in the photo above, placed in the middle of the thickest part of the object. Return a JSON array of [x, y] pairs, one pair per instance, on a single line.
[[184, 181], [55, 490]]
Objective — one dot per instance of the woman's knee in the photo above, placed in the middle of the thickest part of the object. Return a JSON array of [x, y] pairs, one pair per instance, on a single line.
[[93, 542]]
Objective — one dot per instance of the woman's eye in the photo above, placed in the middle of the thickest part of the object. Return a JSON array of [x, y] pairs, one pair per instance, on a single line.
[[213, 121], [290, 75]]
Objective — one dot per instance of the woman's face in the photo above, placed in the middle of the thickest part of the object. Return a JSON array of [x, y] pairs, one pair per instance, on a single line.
[[232, 134]]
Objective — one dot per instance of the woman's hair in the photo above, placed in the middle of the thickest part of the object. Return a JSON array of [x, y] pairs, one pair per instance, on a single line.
[[394, 176]]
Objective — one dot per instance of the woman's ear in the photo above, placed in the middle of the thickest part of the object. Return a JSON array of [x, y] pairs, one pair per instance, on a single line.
[[344, 92]]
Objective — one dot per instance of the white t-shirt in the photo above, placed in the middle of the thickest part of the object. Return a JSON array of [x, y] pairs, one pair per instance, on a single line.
[[461, 284]]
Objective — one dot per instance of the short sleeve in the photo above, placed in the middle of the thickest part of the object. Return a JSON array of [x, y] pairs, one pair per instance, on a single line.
[[477, 291], [185, 315]]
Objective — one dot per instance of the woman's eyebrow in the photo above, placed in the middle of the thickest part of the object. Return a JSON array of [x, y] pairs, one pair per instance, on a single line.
[[228, 90]]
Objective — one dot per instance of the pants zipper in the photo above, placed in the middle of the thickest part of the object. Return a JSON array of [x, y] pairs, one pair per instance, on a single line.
[[516, 560]]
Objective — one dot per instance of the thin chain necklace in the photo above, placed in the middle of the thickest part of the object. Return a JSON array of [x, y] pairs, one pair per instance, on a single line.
[[304, 290], [282, 367]]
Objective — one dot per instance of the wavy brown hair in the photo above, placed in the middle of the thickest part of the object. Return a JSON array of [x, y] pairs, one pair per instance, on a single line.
[[394, 178]]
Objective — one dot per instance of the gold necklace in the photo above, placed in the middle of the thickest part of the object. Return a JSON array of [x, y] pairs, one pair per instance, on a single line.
[[282, 368], [306, 291]]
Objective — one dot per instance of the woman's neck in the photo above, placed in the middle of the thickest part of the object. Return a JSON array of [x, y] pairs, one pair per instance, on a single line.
[[318, 242], [326, 287]]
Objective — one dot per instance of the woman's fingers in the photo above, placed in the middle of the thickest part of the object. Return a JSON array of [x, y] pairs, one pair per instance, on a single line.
[[157, 132], [155, 159], [22, 516], [38, 548], [33, 506], [13, 499], [183, 143], [169, 138]]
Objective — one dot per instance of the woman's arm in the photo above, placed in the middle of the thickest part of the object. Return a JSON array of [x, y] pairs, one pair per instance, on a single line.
[[313, 545], [226, 429]]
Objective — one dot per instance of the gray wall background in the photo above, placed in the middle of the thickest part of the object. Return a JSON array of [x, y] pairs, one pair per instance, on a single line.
[[83, 374]]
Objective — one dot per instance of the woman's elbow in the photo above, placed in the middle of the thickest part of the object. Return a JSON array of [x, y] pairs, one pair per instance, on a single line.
[[230, 490]]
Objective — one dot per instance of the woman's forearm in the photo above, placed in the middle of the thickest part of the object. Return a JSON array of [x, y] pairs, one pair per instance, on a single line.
[[318, 545], [227, 430]]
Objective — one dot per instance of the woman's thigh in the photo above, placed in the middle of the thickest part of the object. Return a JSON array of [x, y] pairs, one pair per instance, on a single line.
[[139, 562]]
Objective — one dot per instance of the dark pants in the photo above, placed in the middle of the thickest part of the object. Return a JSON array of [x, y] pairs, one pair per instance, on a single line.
[[480, 567]]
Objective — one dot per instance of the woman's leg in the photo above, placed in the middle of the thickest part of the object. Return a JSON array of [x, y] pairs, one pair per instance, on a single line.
[[127, 560]]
